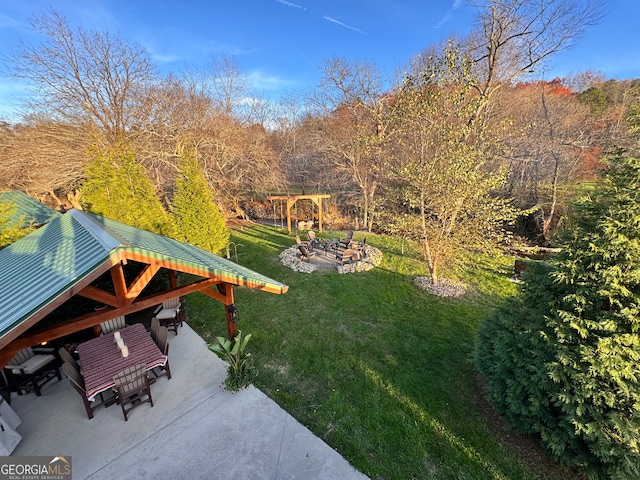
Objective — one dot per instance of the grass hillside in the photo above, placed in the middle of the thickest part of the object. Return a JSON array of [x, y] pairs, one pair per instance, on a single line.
[[379, 369]]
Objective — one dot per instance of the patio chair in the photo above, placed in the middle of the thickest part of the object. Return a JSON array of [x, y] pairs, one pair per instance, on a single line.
[[112, 325], [347, 256], [315, 242], [31, 369], [362, 248], [77, 382], [163, 344], [305, 253], [304, 244], [153, 330], [346, 242], [65, 356], [304, 224], [133, 388], [170, 314]]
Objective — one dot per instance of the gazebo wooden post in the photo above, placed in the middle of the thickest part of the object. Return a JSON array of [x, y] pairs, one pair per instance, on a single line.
[[119, 284], [173, 282], [290, 203], [318, 202], [232, 327]]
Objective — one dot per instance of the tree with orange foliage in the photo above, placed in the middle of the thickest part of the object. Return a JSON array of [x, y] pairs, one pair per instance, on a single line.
[[514, 38], [548, 151]]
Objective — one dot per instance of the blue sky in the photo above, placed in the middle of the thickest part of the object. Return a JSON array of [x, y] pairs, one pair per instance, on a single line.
[[281, 44]]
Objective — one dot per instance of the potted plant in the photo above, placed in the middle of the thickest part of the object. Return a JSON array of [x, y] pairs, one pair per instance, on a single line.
[[241, 371]]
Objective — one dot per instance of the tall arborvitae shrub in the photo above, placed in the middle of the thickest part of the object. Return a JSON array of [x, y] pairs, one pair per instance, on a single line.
[[197, 218], [562, 360], [118, 187]]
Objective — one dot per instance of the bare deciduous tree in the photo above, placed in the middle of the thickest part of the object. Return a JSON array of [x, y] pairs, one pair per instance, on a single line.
[[354, 94], [229, 84], [581, 81], [84, 78], [43, 158], [555, 135], [287, 121], [514, 38], [236, 156], [169, 113]]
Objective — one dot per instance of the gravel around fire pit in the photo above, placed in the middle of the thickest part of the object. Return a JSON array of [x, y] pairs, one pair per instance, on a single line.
[[290, 258]]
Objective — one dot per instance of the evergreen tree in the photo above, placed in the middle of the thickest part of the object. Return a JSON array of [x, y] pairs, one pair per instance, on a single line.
[[562, 360], [10, 230], [118, 187], [197, 218]]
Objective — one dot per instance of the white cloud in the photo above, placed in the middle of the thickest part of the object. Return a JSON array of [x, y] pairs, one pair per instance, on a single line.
[[164, 59], [289, 4], [337, 22], [263, 81], [449, 15], [447, 18], [8, 22]]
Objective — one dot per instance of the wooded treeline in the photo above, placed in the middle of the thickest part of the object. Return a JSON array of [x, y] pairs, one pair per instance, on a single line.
[[450, 150]]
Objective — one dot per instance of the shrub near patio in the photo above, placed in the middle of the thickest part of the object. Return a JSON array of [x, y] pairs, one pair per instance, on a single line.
[[378, 368]]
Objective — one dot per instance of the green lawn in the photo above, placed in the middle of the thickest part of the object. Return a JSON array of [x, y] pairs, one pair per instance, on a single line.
[[377, 368]]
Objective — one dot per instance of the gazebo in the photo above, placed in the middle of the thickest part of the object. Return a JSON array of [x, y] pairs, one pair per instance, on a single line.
[[27, 210], [74, 253], [291, 201]]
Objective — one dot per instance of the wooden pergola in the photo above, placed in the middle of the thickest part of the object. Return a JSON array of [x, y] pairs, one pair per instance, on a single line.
[[291, 201], [96, 248]]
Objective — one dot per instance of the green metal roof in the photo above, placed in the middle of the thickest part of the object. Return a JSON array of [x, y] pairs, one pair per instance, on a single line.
[[28, 210], [40, 267]]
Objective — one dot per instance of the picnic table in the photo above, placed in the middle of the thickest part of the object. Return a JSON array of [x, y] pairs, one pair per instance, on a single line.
[[101, 358]]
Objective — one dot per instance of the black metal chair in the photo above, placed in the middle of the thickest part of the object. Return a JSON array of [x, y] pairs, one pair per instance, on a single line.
[[133, 388]]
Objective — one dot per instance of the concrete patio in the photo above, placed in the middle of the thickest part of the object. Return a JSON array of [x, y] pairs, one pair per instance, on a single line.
[[195, 430]]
